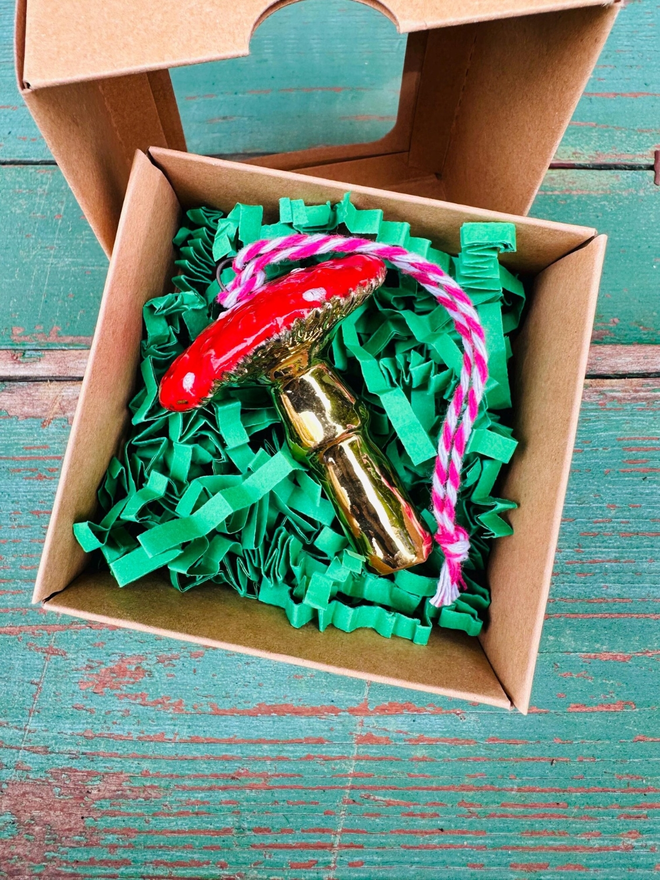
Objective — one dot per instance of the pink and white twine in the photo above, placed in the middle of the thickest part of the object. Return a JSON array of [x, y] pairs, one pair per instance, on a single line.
[[249, 265]]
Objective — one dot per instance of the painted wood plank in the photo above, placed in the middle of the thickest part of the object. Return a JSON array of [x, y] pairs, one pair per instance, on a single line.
[[19, 136], [328, 71], [388, 790], [608, 568], [624, 205], [176, 768], [41, 400], [606, 361], [616, 119], [34, 364], [619, 361], [52, 270], [127, 755]]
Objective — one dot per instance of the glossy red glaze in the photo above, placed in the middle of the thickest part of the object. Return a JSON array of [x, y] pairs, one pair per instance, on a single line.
[[193, 377]]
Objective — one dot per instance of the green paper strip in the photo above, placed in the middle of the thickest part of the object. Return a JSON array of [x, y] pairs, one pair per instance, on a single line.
[[385, 623], [210, 515], [498, 235], [155, 488], [177, 531], [394, 401], [358, 222], [230, 424], [330, 542], [499, 395], [318, 592], [277, 536], [459, 619], [415, 584], [491, 444], [137, 564]]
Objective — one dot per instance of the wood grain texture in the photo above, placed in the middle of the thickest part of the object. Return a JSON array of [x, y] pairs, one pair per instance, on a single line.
[[125, 755], [16, 364], [19, 136], [617, 361], [52, 269], [328, 71], [34, 364], [624, 205], [617, 119]]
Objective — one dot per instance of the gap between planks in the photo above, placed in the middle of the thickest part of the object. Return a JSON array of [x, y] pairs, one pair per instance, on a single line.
[[65, 365]]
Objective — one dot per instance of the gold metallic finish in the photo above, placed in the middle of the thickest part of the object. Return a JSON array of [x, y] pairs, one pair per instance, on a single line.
[[284, 354], [373, 507], [317, 408], [324, 425]]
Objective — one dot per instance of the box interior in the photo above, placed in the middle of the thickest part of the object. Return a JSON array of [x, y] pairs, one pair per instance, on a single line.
[[468, 130], [549, 370]]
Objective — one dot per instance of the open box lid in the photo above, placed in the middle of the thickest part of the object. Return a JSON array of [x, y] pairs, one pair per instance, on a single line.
[[88, 41], [483, 103]]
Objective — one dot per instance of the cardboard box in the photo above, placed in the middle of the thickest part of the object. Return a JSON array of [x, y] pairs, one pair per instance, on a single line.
[[488, 89], [549, 365]]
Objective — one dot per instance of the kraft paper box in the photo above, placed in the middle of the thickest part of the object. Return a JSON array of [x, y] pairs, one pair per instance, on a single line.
[[488, 89], [562, 264]]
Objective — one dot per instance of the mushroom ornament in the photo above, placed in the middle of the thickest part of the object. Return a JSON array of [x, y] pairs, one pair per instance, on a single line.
[[275, 337]]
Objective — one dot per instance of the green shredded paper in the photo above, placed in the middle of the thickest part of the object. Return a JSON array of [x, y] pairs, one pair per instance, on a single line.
[[214, 495]]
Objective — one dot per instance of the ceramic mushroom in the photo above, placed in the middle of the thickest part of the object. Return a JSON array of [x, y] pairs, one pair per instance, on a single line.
[[274, 337]]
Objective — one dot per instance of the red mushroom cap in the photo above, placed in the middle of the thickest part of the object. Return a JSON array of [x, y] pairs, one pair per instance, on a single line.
[[280, 313]]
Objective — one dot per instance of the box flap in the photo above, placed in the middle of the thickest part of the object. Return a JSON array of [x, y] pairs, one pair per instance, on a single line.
[[77, 40], [102, 414], [452, 663], [550, 358], [495, 100], [94, 128]]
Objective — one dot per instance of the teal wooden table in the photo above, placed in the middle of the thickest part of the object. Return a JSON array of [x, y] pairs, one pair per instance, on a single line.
[[128, 756]]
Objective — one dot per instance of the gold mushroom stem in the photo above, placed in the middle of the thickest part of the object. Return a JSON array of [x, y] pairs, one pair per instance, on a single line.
[[326, 428]]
